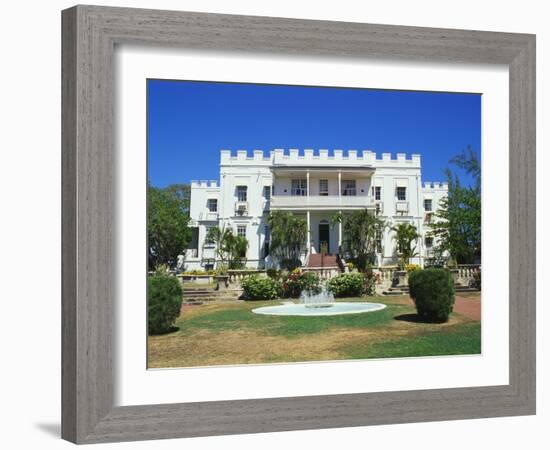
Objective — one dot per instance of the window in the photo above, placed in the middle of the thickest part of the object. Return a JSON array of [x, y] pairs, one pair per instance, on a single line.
[[242, 193], [427, 204], [323, 187], [348, 188], [401, 193], [212, 205], [299, 187], [241, 230], [377, 192], [429, 241], [267, 192]]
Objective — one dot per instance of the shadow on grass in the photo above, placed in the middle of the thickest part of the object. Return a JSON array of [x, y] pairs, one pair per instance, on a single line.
[[415, 318], [168, 331]]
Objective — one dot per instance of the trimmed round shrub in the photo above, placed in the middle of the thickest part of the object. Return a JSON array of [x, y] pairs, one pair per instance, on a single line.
[[297, 282], [347, 285], [257, 288], [164, 298], [433, 292]]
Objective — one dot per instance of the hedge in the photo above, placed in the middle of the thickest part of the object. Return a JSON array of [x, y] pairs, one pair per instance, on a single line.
[[433, 292], [257, 288], [347, 285]]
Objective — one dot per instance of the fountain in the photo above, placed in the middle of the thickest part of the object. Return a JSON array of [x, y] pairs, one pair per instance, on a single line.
[[323, 299], [318, 304]]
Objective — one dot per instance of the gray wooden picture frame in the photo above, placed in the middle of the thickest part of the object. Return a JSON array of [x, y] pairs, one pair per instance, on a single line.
[[90, 34]]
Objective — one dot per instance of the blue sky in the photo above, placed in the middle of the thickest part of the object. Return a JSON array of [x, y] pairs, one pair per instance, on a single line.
[[189, 122]]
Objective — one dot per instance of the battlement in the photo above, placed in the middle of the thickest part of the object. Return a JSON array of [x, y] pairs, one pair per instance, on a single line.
[[433, 185], [204, 184], [294, 156]]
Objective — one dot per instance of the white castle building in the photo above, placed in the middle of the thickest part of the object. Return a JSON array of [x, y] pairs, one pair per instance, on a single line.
[[315, 185]]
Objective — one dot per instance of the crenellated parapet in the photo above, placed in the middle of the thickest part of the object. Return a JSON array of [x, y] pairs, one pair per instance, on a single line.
[[206, 184], [323, 157], [433, 186]]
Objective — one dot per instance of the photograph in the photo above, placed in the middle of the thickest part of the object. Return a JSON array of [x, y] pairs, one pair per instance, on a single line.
[[290, 224]]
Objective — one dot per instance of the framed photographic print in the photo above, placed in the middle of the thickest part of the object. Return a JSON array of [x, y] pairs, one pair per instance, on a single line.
[[268, 222]]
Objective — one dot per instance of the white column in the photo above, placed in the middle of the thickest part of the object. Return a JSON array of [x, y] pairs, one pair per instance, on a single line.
[[339, 187], [308, 233], [307, 186]]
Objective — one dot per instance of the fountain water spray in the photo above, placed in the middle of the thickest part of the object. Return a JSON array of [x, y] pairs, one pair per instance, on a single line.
[[323, 299]]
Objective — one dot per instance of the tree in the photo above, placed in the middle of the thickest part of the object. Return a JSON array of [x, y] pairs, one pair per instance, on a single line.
[[457, 224], [230, 248], [167, 225], [362, 230], [405, 237], [288, 238]]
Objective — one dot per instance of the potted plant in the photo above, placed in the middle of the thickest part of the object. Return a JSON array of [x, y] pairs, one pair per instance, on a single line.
[[400, 275], [222, 278]]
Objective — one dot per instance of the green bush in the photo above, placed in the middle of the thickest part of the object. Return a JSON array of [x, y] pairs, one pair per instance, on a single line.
[[257, 288], [347, 285], [297, 282], [164, 298], [274, 274], [433, 292]]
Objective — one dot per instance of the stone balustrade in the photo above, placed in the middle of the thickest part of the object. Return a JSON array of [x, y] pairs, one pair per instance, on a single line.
[[324, 273]]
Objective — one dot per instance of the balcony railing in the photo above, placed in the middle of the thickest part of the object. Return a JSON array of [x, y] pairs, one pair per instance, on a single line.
[[318, 201], [208, 215], [402, 207], [241, 208]]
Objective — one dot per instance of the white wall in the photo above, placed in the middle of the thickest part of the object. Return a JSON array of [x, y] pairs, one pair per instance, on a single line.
[[30, 225]]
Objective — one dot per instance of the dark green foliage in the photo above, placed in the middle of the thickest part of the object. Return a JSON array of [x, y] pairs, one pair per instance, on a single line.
[[297, 282], [457, 223], [230, 247], [274, 274], [347, 285], [370, 282], [433, 292], [257, 288], [405, 237], [476, 283], [167, 217], [362, 230], [288, 238], [164, 298]]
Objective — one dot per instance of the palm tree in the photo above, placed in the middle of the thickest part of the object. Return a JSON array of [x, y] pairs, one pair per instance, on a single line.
[[362, 229], [405, 235], [288, 238], [230, 248]]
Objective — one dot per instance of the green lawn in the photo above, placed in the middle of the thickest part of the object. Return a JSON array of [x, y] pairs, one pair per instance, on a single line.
[[219, 334]]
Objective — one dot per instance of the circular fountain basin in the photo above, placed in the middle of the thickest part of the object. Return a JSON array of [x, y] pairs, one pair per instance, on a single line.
[[332, 309]]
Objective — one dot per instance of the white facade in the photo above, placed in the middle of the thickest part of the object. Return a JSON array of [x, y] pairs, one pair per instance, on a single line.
[[317, 186]]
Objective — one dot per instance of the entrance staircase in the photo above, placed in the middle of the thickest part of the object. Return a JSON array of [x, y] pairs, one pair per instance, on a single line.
[[404, 289], [198, 296], [325, 265]]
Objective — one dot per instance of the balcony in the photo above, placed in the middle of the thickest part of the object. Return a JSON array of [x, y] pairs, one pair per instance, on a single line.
[[402, 207], [297, 202], [241, 208], [208, 215]]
